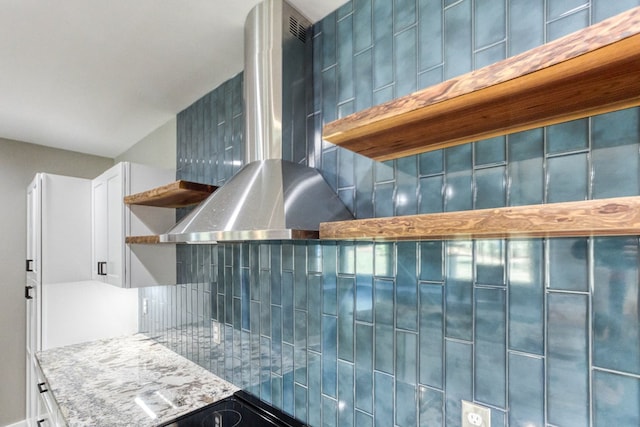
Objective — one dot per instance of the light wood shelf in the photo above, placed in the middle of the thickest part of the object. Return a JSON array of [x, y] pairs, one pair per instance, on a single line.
[[591, 71], [178, 194], [142, 240], [605, 217]]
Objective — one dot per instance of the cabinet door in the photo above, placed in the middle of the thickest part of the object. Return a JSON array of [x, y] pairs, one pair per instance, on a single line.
[[33, 232], [115, 227], [100, 231], [108, 226]]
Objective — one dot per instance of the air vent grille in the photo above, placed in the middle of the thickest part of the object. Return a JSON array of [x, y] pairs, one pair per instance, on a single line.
[[297, 29]]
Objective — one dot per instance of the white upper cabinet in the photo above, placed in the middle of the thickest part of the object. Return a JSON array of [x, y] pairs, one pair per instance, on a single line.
[[113, 261]]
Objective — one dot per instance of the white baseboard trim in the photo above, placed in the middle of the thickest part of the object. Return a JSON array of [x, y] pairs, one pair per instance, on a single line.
[[22, 423]]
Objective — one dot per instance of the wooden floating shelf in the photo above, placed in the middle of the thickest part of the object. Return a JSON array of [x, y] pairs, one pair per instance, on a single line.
[[605, 217], [178, 194], [142, 240], [592, 71]]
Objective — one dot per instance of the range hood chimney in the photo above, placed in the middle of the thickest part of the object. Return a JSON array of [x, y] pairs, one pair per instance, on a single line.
[[269, 198]]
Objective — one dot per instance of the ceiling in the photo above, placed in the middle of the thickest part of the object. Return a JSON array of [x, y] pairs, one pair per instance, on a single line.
[[97, 76]]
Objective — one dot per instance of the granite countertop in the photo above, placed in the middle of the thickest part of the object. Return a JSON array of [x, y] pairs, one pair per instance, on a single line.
[[131, 380]]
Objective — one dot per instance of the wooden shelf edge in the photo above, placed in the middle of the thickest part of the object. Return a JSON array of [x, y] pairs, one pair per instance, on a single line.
[[591, 71], [604, 217], [174, 195], [142, 240]]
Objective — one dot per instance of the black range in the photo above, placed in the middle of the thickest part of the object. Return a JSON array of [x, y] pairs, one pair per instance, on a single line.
[[240, 409]]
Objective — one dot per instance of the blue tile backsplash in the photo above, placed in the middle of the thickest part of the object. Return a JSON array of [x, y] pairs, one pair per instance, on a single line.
[[545, 332]]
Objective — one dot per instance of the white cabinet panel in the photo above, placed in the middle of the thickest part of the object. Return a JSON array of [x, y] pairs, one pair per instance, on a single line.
[[113, 261]]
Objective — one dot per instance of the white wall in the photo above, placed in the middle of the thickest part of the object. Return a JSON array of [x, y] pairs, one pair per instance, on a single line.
[[19, 162], [156, 149]]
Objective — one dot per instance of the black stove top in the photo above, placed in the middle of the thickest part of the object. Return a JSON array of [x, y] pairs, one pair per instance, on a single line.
[[241, 409]]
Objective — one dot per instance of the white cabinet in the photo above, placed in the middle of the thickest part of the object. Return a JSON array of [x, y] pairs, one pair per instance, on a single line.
[[58, 251], [113, 261]]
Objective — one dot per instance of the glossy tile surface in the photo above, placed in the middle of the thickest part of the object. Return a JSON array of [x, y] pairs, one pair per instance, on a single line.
[[527, 326]]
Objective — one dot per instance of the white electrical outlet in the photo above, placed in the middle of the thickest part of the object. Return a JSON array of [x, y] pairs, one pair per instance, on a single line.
[[474, 415], [216, 335], [145, 304]]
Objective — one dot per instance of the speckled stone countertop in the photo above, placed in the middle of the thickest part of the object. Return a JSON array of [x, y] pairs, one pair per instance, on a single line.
[[130, 381]]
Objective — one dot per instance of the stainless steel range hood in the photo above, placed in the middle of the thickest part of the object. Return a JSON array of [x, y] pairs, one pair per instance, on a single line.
[[269, 198]]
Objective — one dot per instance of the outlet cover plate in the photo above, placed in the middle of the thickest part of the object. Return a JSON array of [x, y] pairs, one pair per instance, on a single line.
[[474, 415], [216, 332]]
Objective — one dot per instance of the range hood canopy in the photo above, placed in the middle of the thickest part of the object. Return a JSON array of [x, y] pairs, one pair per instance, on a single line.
[[269, 198]]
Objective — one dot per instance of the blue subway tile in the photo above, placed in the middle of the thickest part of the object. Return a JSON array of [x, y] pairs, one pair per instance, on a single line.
[[459, 158], [362, 37], [406, 357], [458, 192], [615, 399], [430, 33], [431, 77], [616, 330], [569, 136], [385, 259], [526, 29], [490, 55], [490, 188], [560, 8], [315, 389], [346, 303], [300, 351], [459, 290], [431, 197], [363, 85], [490, 347], [383, 199], [567, 178], [383, 291], [490, 22], [329, 43], [490, 262], [526, 295], [346, 387], [431, 335], [300, 402], [406, 404], [457, 36], [406, 195], [345, 10], [329, 412], [404, 14], [383, 94], [314, 257], [431, 261], [431, 162], [431, 407], [276, 339], [364, 298], [329, 279], [288, 392], [459, 379], [406, 304], [490, 151], [526, 151], [384, 345], [384, 171], [383, 43], [329, 355], [364, 187], [602, 9], [314, 312], [329, 96], [345, 59], [383, 406], [568, 24], [567, 363], [526, 390], [287, 307], [567, 264], [363, 419], [405, 58], [364, 367], [347, 258]]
